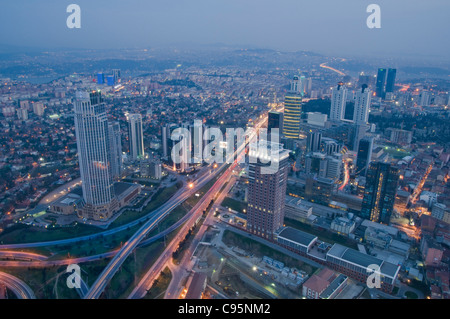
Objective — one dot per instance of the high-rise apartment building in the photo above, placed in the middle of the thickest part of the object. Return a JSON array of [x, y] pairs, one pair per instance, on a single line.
[[362, 105], [135, 136], [38, 108], [115, 149], [338, 102]]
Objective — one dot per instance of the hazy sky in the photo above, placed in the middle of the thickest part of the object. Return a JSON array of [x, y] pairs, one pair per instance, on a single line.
[[418, 27]]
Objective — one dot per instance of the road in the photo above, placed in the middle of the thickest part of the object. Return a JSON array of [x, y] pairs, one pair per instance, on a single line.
[[196, 212], [59, 192], [101, 282], [346, 176], [182, 270], [9, 254], [152, 219], [325, 66], [51, 263], [43, 262], [17, 286], [99, 234], [419, 187], [179, 272]]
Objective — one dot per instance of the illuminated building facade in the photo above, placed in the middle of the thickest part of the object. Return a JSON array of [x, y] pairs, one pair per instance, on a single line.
[[380, 192], [292, 110], [94, 156]]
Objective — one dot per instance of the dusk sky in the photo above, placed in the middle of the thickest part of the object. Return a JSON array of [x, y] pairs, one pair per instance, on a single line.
[[413, 27]]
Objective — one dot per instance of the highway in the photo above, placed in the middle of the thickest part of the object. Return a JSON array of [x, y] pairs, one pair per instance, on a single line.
[[10, 254], [99, 234], [152, 219], [17, 286], [42, 262], [325, 66], [82, 291], [101, 282], [59, 262], [178, 273]]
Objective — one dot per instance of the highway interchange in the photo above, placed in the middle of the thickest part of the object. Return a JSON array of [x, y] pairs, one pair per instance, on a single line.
[[151, 220]]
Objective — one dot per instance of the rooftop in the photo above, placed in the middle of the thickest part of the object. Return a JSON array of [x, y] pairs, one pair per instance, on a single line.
[[297, 236], [362, 260], [335, 284], [315, 283]]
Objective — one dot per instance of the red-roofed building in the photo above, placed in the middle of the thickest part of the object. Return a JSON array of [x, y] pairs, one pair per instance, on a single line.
[[316, 284]]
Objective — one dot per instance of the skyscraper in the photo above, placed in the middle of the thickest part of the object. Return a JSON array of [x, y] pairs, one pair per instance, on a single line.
[[115, 149], [381, 83], [302, 85], [362, 105], [267, 191], [100, 78], [390, 82], [380, 192], [94, 157], [313, 141], [364, 154], [116, 74], [275, 121], [385, 82], [292, 110], [307, 86], [338, 101], [135, 136], [110, 80], [356, 134], [166, 141]]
